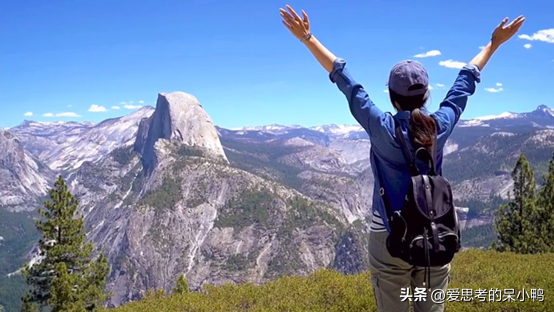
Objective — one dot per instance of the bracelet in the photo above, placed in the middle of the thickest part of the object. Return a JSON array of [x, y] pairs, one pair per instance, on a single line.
[[306, 37]]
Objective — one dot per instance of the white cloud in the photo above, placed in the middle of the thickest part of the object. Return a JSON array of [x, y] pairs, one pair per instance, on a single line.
[[493, 90], [431, 87], [481, 47], [429, 53], [440, 85], [69, 105], [128, 106], [65, 114], [97, 108], [527, 46], [115, 107], [545, 35], [386, 91], [28, 114], [498, 84], [452, 64]]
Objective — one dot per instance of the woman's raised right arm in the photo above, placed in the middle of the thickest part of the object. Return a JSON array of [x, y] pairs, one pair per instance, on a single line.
[[481, 59], [500, 35], [454, 103]]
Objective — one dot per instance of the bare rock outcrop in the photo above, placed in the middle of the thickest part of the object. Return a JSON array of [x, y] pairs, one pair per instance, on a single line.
[[178, 117], [23, 178]]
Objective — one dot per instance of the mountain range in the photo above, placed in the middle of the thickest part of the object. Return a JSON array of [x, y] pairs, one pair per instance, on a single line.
[[165, 192]]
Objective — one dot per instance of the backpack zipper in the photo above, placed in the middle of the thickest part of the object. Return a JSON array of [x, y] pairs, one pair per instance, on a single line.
[[420, 237]]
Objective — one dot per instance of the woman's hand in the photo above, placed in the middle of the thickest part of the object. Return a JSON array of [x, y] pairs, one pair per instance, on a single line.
[[503, 33], [299, 27], [500, 35]]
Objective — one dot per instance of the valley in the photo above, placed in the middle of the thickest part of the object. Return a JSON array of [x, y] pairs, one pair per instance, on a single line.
[[166, 192]]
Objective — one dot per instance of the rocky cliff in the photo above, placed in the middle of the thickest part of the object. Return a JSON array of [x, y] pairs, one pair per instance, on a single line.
[[64, 146], [23, 178], [205, 219], [178, 117], [174, 204]]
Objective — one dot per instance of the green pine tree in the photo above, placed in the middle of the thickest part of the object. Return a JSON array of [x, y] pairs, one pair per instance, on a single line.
[[67, 263], [516, 222], [546, 205], [63, 294], [181, 287], [28, 305], [92, 293]]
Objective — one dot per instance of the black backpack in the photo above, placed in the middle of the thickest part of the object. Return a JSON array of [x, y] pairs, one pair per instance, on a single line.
[[425, 232]]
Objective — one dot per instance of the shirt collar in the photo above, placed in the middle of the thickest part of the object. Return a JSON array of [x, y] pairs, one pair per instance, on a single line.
[[406, 114], [402, 115]]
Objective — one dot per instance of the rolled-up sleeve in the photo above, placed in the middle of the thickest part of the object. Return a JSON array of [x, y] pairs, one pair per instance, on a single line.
[[455, 102], [366, 113]]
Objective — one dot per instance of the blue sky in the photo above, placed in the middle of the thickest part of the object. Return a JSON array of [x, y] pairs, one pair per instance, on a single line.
[[59, 58]]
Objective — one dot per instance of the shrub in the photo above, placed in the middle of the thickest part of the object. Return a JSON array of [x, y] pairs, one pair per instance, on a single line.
[[328, 290]]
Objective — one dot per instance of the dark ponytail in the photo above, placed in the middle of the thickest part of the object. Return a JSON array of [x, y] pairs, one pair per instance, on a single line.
[[422, 128]]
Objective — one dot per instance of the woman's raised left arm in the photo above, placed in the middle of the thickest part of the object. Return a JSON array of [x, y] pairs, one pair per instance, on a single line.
[[300, 28], [366, 113]]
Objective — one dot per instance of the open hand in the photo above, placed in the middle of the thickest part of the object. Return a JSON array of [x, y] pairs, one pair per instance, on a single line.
[[299, 27], [503, 33]]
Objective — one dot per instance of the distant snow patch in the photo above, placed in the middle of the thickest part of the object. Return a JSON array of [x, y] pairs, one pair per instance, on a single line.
[[502, 133]]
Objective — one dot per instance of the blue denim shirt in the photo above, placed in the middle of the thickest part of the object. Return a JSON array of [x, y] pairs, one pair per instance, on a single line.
[[385, 152]]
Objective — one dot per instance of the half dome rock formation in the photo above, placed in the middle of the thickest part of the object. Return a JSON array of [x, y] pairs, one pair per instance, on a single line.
[[178, 117]]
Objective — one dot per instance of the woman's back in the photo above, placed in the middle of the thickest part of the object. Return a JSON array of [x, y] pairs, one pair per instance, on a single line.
[[419, 129], [409, 91]]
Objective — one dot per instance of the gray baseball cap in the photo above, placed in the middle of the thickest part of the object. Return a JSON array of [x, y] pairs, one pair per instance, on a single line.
[[406, 74]]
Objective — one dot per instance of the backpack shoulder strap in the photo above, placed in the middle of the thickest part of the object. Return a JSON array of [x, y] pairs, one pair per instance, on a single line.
[[430, 157], [410, 160], [386, 202]]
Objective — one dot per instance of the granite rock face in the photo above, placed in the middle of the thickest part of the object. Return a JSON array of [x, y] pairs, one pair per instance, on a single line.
[[23, 178], [178, 117], [173, 205], [65, 146]]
